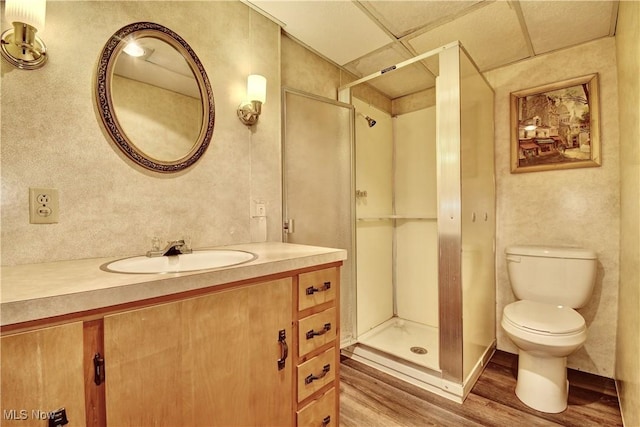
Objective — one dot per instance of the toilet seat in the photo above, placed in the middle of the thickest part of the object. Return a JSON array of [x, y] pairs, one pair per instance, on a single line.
[[544, 319]]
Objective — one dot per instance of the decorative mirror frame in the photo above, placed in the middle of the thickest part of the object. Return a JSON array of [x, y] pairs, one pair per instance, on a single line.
[[106, 64]]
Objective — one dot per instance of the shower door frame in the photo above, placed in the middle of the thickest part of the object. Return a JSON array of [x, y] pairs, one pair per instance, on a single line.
[[449, 207], [348, 280]]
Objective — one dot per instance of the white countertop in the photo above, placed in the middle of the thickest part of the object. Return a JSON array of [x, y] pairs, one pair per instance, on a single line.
[[39, 291]]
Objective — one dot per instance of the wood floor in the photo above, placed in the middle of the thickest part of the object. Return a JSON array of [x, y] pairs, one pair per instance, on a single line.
[[370, 398]]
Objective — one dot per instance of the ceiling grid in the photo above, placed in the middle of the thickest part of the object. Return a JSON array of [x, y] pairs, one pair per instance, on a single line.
[[367, 36]]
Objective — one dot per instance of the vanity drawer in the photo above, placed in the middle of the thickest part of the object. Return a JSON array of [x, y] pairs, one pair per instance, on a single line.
[[320, 412], [316, 330], [317, 287], [316, 373]]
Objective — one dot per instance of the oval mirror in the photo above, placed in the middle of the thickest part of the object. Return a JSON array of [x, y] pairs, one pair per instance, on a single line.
[[154, 97]]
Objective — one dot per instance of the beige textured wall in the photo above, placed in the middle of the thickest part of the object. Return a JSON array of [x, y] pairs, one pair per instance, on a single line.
[[51, 137], [414, 102], [306, 71], [628, 343], [566, 207]]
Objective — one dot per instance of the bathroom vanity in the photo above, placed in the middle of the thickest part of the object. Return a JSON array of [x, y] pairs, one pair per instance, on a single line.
[[251, 344]]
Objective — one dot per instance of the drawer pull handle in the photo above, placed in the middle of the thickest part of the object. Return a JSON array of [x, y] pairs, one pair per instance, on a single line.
[[326, 421], [325, 287], [284, 349], [312, 333], [311, 378]]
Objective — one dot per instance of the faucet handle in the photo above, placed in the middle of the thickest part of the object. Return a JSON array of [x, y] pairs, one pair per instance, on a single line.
[[155, 243], [187, 242]]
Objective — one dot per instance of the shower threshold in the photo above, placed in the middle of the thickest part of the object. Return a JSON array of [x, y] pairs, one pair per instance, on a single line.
[[388, 349], [411, 341], [396, 348]]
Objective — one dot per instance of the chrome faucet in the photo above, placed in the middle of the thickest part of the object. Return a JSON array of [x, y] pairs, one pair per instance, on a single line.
[[174, 247]]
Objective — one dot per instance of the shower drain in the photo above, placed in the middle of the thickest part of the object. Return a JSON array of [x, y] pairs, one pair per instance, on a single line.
[[418, 350]]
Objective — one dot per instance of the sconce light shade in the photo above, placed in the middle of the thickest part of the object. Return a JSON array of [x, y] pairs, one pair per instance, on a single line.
[[20, 45], [249, 111], [257, 88], [29, 12]]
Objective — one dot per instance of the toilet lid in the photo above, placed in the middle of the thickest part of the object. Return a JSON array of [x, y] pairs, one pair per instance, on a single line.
[[546, 318]]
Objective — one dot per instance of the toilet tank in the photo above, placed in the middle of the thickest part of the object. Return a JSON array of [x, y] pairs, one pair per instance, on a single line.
[[553, 275]]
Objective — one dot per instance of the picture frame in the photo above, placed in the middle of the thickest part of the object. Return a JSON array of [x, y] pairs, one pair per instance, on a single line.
[[556, 126]]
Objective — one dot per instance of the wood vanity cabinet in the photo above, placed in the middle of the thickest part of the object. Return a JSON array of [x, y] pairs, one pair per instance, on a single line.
[[318, 349], [205, 361], [253, 353], [42, 371]]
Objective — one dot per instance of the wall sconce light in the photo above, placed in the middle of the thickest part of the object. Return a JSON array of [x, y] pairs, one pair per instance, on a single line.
[[249, 111], [20, 45]]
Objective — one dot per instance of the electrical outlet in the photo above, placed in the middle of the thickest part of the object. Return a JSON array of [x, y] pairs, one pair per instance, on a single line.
[[43, 206]]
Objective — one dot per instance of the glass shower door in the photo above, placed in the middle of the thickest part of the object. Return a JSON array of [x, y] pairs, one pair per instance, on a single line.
[[318, 182]]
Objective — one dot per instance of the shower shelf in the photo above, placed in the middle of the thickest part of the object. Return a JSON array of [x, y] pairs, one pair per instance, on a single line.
[[401, 217]]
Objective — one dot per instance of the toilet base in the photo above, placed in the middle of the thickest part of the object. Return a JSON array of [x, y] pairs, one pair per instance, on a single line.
[[542, 382]]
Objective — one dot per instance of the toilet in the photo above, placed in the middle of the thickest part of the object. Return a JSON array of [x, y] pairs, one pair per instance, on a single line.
[[549, 283]]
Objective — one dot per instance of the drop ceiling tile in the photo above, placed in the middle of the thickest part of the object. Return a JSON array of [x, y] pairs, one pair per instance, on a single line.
[[404, 17], [394, 84], [338, 30], [404, 81], [387, 56], [491, 34], [554, 25]]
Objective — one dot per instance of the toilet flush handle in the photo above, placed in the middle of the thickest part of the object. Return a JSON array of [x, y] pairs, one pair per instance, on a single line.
[[513, 258]]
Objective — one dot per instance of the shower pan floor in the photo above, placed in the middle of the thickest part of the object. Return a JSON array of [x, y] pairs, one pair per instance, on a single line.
[[408, 340]]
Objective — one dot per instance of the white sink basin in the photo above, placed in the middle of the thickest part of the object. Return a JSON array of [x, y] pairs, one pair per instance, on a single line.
[[198, 260]]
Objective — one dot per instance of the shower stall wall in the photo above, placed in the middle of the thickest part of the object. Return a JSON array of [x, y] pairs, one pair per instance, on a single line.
[[396, 229], [425, 226]]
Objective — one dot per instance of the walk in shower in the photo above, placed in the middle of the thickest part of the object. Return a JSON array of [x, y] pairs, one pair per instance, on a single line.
[[397, 233], [418, 289], [425, 226]]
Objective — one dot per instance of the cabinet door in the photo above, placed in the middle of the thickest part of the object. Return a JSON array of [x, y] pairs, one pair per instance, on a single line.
[[42, 371], [209, 361]]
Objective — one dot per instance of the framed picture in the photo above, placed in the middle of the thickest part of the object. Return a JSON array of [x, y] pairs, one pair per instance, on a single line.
[[556, 126]]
